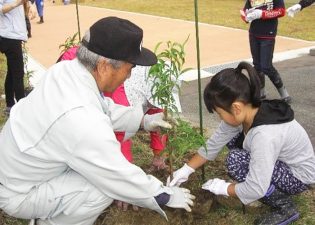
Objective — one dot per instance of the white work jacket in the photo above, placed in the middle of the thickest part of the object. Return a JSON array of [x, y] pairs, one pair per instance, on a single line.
[[66, 123]]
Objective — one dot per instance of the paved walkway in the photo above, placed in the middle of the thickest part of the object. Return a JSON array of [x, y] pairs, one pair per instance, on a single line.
[[219, 45]]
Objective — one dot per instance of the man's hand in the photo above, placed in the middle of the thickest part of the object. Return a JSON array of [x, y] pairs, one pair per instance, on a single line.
[[180, 176], [31, 12], [253, 14], [216, 186], [154, 121], [180, 198], [294, 9], [124, 206]]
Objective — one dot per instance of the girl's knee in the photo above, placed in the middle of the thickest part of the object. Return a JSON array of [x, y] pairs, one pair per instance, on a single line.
[[237, 162]]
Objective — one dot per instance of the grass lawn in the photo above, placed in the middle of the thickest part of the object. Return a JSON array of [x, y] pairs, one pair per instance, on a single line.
[[3, 71], [220, 12]]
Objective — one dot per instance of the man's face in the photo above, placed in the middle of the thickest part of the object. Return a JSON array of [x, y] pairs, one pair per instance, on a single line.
[[109, 78]]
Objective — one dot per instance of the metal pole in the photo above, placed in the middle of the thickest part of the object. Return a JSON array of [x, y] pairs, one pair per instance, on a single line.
[[78, 19], [199, 77], [198, 67]]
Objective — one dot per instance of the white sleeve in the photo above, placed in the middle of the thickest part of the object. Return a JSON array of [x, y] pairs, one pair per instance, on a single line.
[[222, 135], [95, 154], [124, 118], [264, 152]]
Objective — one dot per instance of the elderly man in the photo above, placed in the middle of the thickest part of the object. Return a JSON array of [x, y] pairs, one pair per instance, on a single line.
[[60, 160]]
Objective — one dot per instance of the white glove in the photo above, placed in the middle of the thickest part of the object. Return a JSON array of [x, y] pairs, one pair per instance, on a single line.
[[294, 9], [180, 198], [216, 186], [180, 176], [253, 15], [154, 121]]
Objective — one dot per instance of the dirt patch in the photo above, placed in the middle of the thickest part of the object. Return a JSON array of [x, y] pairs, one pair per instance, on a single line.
[[207, 208], [203, 204]]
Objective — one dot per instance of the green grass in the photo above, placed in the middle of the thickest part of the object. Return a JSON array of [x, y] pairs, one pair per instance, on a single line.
[[220, 12], [3, 69], [187, 141]]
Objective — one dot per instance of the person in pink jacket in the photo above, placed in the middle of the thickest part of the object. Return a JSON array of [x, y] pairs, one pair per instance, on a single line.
[[136, 90]]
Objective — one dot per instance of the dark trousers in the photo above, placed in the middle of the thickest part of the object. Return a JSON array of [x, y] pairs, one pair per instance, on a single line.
[[40, 7], [13, 86], [262, 52]]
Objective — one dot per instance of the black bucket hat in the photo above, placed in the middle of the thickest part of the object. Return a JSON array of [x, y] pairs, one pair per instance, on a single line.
[[119, 39]]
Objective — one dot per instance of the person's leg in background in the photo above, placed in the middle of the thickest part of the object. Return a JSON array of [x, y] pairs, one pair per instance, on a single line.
[[40, 10], [14, 85], [254, 44], [266, 56]]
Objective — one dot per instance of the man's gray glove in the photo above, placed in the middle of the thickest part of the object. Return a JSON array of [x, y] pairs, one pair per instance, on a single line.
[[180, 198], [154, 121], [180, 176]]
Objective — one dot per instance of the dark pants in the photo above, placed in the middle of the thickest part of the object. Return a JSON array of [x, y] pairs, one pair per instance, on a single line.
[[40, 7], [262, 53], [282, 178], [14, 86]]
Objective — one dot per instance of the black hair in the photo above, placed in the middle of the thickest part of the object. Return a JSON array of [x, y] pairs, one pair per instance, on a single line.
[[230, 85]]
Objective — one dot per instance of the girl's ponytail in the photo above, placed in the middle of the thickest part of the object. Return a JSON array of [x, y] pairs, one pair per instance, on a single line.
[[254, 82], [230, 85]]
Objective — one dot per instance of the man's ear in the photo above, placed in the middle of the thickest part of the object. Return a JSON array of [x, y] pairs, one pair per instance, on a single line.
[[236, 108], [102, 66]]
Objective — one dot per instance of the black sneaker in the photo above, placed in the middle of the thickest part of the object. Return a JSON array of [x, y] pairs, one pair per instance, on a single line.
[[276, 218]]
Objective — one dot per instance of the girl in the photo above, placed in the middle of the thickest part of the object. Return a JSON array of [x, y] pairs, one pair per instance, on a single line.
[[270, 154]]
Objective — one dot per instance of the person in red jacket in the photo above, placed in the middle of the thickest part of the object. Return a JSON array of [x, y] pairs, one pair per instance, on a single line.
[[136, 90], [263, 18]]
